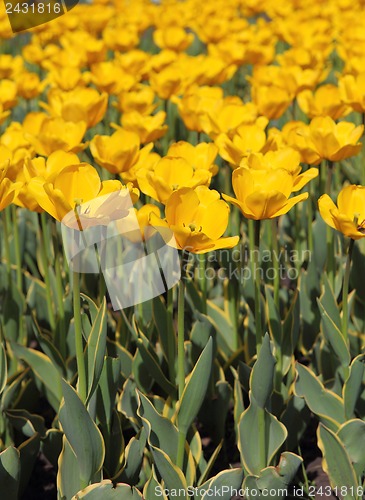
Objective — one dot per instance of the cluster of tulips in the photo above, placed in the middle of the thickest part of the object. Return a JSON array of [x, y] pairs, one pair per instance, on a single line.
[[212, 117]]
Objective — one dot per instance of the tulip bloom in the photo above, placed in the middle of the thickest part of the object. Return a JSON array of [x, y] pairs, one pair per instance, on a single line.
[[198, 219], [325, 101], [352, 91], [168, 175], [148, 128], [264, 193], [348, 216], [201, 156], [8, 189], [76, 186]]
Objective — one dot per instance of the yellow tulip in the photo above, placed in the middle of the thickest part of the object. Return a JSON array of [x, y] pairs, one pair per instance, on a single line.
[[8, 94], [140, 100], [80, 104], [263, 193], [325, 101], [325, 139], [198, 218], [201, 156], [66, 78], [348, 216], [352, 89], [246, 139], [148, 128], [29, 85], [118, 152], [8, 189], [168, 82], [123, 38], [78, 187], [271, 101], [48, 134], [111, 78], [173, 38], [10, 67], [169, 174]]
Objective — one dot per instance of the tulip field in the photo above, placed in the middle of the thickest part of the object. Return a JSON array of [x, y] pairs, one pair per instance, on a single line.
[[182, 251]]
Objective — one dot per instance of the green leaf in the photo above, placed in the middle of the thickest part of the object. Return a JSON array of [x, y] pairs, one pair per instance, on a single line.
[[324, 403], [253, 423], [68, 474], [334, 337], [134, 453], [262, 374], [108, 491], [173, 477], [44, 370], [83, 435], [222, 323], [152, 489], [224, 483], [196, 388], [27, 423], [28, 450], [95, 350], [161, 320], [352, 436], [336, 462], [353, 385], [9, 472], [275, 326], [328, 302], [155, 370], [3, 368]]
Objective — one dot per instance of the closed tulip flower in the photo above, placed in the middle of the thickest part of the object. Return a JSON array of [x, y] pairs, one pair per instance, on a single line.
[[198, 218], [348, 216], [264, 193]]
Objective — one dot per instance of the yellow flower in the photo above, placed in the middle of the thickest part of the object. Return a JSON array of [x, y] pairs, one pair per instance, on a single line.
[[173, 38], [145, 230], [48, 134], [201, 156], [80, 104], [78, 187], [66, 78], [198, 218], [167, 82], [148, 128], [246, 139], [325, 139], [168, 175], [325, 101], [141, 100], [29, 85], [228, 117], [8, 189], [111, 78], [352, 89], [118, 152], [8, 94], [10, 67], [3, 114], [263, 193], [123, 38], [271, 101], [348, 216]]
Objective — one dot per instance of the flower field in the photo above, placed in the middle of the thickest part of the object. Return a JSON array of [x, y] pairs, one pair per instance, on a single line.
[[182, 241]]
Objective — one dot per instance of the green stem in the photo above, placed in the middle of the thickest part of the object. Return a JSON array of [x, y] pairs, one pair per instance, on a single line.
[[18, 256], [329, 232], [43, 250], [345, 292], [254, 239], [7, 246], [79, 345], [59, 293], [310, 220], [275, 247], [181, 361], [170, 335], [203, 281]]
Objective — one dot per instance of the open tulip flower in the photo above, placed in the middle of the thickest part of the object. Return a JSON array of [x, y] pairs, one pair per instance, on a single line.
[[198, 218], [8, 189], [169, 174], [352, 89], [325, 101], [79, 185], [201, 156], [324, 139], [148, 128], [348, 216], [264, 193]]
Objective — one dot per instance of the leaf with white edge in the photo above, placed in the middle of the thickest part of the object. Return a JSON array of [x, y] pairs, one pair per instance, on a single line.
[[224, 483], [82, 433], [262, 374], [44, 370], [334, 337], [253, 423], [324, 403], [173, 477], [95, 350], [3, 368], [108, 491], [195, 388], [152, 489], [352, 436], [354, 385], [68, 474], [336, 462], [9, 473]]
